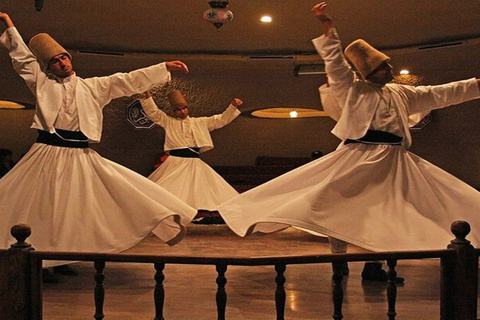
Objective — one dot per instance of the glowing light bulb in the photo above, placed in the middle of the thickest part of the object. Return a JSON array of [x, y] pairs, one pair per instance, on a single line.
[[293, 114], [266, 19]]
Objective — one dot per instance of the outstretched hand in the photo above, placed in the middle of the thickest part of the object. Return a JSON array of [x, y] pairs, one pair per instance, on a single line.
[[177, 65], [319, 12], [237, 102]]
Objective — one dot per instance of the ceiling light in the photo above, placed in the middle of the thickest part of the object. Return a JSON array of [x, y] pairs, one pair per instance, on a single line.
[[10, 105], [404, 71], [266, 19], [288, 113], [218, 15]]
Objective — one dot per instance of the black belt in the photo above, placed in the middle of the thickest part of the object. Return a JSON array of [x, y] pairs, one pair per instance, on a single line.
[[377, 137], [185, 153], [63, 138]]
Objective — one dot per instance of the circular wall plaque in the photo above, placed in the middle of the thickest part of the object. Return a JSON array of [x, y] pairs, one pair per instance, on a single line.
[[137, 117]]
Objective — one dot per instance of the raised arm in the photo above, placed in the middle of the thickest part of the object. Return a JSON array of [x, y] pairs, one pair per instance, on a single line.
[[340, 74], [319, 12], [6, 20], [152, 111], [23, 60], [219, 120]]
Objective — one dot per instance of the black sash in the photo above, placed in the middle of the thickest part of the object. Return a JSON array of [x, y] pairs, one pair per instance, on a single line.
[[377, 137], [63, 138], [185, 153]]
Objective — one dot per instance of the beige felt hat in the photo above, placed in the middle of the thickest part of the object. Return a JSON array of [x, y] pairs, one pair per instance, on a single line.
[[44, 47], [176, 99], [365, 57]]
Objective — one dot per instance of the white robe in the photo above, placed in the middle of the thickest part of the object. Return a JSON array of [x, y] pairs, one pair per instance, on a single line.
[[191, 179], [72, 198], [378, 197]]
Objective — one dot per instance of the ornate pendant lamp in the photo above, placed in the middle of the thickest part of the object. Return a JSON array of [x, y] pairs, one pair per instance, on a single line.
[[38, 5], [218, 15]]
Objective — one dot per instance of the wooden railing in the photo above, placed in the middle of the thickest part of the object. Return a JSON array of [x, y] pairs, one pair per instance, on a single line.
[[21, 276]]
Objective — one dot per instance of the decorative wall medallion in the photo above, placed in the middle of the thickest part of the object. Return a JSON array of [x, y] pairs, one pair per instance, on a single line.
[[137, 117]]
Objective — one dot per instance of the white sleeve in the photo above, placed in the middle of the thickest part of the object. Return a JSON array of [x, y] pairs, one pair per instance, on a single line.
[[341, 77], [219, 120], [127, 84], [425, 98], [23, 60], [153, 112]]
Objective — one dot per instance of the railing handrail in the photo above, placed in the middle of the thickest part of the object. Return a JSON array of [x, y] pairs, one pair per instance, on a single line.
[[244, 260]]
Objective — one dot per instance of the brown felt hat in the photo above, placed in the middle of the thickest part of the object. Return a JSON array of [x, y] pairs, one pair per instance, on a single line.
[[176, 99], [44, 47], [365, 57]]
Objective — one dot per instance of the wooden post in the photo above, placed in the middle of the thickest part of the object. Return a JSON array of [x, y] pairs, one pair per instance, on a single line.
[[17, 280], [99, 292], [460, 278], [391, 288], [159, 292], [221, 293], [280, 294], [337, 290], [3, 283]]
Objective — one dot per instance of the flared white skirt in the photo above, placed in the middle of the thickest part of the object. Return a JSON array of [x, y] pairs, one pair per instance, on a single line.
[[377, 197], [75, 200], [193, 181]]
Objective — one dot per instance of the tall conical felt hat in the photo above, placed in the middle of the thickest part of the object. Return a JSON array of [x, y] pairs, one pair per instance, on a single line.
[[365, 57], [176, 99], [44, 47]]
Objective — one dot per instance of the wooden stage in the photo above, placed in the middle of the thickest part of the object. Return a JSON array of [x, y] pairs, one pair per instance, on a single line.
[[190, 289]]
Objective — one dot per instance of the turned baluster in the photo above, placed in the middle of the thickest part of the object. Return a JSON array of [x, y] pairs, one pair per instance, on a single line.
[[99, 292], [280, 295], [159, 293], [391, 288], [221, 293], [337, 292]]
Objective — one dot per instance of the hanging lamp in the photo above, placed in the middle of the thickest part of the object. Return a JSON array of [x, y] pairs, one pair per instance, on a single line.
[[218, 14]]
